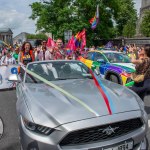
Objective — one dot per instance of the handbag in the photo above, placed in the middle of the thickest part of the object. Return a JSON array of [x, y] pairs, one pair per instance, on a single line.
[[137, 78]]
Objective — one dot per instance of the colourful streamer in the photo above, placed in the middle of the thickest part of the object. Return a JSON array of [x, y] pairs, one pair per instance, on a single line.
[[103, 93], [62, 91]]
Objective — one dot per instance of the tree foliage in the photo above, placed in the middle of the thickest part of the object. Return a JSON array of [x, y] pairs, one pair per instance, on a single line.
[[126, 18], [57, 16], [37, 36], [145, 25]]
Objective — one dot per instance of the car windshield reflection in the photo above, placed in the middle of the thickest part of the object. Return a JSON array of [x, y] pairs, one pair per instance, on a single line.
[[117, 58], [54, 71]]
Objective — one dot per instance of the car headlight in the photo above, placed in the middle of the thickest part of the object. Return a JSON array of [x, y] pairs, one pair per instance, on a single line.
[[37, 128]]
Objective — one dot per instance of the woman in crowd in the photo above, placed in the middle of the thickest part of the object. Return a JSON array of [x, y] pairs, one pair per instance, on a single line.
[[142, 68], [26, 55]]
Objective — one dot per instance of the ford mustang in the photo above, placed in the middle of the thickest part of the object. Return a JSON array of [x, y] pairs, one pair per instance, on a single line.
[[63, 105], [113, 66]]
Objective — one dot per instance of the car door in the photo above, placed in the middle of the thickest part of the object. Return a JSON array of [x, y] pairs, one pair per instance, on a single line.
[[19, 87]]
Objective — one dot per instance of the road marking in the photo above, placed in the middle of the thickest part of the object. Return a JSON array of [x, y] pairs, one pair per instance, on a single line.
[[1, 128]]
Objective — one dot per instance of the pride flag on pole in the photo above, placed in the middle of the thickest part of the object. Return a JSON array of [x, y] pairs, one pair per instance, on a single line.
[[95, 20], [50, 43], [77, 41]]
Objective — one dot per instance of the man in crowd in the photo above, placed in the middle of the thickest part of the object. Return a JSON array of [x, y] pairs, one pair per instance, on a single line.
[[59, 52]]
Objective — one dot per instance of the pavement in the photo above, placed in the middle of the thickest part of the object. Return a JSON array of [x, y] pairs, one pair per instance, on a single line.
[[10, 136]]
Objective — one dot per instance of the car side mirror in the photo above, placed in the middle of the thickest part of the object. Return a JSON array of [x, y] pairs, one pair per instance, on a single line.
[[102, 61], [97, 72], [14, 78]]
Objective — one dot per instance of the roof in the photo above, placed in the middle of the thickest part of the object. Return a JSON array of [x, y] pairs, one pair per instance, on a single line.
[[6, 30], [20, 34]]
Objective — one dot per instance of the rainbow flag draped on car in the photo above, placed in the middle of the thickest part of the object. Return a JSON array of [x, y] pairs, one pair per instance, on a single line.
[[95, 20]]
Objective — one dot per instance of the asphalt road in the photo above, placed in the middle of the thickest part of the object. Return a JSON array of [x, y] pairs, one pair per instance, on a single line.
[[10, 138]]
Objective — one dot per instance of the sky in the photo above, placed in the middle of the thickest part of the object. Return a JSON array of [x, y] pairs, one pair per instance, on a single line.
[[15, 14]]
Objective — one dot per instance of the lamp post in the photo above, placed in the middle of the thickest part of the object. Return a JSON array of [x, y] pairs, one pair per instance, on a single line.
[[67, 35]]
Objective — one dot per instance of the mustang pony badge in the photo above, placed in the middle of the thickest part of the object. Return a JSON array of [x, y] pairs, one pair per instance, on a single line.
[[109, 130]]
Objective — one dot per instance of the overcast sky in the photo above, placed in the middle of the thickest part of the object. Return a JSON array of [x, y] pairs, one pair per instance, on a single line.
[[15, 14]]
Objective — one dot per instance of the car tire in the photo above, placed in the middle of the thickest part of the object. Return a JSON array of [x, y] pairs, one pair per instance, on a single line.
[[114, 78]]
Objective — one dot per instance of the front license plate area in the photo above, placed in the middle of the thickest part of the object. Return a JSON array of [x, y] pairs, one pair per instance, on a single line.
[[127, 145]]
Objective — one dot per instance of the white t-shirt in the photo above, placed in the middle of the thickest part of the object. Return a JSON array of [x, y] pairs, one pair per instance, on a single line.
[[7, 61]]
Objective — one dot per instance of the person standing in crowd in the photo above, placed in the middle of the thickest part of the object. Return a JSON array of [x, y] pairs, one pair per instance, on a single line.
[[140, 53], [131, 52], [59, 52], [142, 68], [0, 55], [16, 53], [49, 54], [7, 59], [43, 48], [36, 53], [4, 49], [26, 55]]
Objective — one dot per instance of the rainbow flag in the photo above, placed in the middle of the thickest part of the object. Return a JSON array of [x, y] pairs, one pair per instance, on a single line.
[[95, 20], [77, 39]]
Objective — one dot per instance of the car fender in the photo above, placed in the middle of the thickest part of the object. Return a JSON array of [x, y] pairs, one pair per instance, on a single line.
[[108, 72]]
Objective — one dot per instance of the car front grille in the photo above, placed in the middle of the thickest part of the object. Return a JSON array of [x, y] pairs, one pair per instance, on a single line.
[[101, 133]]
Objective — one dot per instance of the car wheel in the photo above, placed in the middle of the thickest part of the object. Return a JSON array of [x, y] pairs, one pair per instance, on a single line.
[[114, 78]]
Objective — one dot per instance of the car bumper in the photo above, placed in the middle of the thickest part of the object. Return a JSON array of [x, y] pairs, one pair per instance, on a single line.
[[32, 140]]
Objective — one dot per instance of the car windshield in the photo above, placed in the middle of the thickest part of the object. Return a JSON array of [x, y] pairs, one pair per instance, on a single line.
[[58, 70], [117, 58]]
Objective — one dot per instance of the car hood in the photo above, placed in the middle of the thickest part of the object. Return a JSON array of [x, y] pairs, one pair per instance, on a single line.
[[48, 105], [129, 67]]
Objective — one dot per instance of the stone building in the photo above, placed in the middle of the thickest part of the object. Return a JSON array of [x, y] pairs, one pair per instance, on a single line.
[[145, 5], [20, 38], [6, 35]]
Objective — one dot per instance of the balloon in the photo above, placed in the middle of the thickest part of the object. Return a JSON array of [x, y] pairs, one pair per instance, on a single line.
[[14, 70]]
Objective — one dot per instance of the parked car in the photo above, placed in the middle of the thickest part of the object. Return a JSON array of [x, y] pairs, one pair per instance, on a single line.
[[62, 105], [113, 66]]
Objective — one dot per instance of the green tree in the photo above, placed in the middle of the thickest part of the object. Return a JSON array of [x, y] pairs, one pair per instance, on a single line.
[[129, 29], [145, 25], [126, 18], [57, 16], [37, 36]]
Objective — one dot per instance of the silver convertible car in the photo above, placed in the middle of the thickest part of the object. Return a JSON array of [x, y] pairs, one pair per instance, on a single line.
[[62, 105]]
